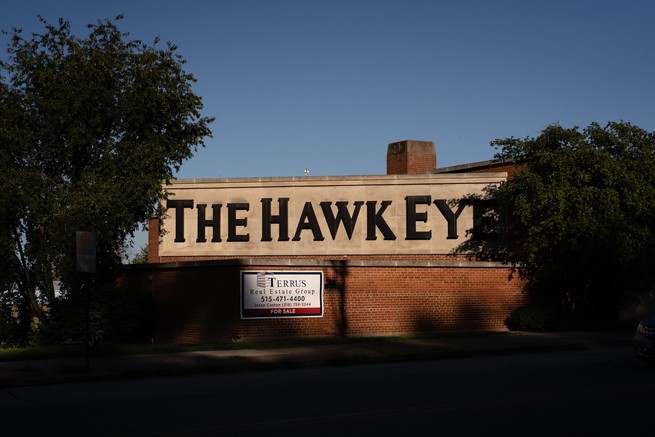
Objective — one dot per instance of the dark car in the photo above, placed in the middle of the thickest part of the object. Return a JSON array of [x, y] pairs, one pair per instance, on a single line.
[[645, 340]]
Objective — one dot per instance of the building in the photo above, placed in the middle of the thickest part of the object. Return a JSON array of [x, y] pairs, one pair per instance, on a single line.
[[412, 251]]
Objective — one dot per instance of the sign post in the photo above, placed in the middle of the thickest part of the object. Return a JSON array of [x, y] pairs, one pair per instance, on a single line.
[[86, 263]]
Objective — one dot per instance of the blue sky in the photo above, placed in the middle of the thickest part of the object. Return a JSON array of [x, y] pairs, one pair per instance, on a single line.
[[326, 85]]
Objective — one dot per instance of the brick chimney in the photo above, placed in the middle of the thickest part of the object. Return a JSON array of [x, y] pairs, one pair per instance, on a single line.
[[411, 157], [153, 240]]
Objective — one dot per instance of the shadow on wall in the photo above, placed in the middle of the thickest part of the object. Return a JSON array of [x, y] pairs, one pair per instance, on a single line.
[[470, 317], [202, 304], [487, 240], [341, 274], [208, 309]]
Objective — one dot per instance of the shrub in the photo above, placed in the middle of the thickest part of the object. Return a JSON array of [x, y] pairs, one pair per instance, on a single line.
[[116, 315], [15, 321], [9, 327], [537, 318]]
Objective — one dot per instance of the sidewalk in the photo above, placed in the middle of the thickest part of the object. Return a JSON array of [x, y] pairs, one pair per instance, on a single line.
[[61, 370]]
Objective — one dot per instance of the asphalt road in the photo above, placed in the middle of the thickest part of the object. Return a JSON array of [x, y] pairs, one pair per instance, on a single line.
[[598, 392]]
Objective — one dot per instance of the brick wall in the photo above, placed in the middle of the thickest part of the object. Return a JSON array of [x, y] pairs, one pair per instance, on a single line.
[[200, 302], [411, 157], [153, 241], [505, 167], [508, 167]]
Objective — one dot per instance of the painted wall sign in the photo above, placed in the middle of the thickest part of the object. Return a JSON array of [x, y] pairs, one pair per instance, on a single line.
[[281, 294], [424, 214]]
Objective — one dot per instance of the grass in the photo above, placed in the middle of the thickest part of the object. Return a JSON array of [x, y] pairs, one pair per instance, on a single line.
[[46, 352]]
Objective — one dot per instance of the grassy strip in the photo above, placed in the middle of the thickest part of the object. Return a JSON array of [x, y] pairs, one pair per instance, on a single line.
[[46, 352]]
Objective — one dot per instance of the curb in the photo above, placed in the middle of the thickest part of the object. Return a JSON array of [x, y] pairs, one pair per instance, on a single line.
[[61, 371]]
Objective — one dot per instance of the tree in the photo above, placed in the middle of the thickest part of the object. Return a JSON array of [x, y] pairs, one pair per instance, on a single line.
[[141, 257], [89, 129], [584, 206]]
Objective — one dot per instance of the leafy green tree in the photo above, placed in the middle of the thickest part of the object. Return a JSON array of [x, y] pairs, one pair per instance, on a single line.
[[141, 257], [89, 129], [584, 206]]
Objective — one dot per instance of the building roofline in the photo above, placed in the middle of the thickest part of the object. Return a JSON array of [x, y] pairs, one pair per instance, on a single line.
[[471, 166], [401, 179]]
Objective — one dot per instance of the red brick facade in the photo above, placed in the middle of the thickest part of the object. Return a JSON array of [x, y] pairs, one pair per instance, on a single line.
[[199, 302], [153, 241], [197, 299], [482, 167]]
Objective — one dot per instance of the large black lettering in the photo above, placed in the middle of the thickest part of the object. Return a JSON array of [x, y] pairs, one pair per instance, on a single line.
[[233, 221], [214, 223], [450, 216], [375, 220], [412, 216], [343, 216], [179, 206], [308, 221], [486, 219], [282, 219]]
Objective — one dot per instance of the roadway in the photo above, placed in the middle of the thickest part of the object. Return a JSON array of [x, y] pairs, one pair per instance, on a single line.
[[602, 391]]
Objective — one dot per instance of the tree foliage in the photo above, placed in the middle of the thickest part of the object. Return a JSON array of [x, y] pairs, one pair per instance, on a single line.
[[141, 257], [89, 129], [584, 204]]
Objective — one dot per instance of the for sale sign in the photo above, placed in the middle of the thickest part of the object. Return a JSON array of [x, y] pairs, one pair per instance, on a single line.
[[281, 294]]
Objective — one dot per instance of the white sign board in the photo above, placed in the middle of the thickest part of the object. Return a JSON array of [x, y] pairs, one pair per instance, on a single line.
[[281, 294]]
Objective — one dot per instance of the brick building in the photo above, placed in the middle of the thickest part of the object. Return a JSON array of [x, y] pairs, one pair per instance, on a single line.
[[325, 256]]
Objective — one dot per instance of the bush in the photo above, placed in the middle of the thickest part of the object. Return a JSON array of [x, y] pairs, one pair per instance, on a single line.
[[116, 315], [9, 327], [15, 320], [537, 318]]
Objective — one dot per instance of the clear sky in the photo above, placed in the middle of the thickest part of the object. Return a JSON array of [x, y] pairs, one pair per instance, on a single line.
[[326, 85]]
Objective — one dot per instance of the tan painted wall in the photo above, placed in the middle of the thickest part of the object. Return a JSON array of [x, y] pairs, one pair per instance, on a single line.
[[314, 190]]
